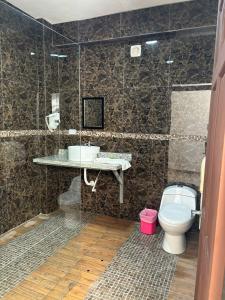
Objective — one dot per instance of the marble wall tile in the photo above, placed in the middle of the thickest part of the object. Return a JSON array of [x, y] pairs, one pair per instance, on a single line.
[[43, 107], [14, 20], [102, 66], [69, 140], [52, 175], [144, 182], [52, 144], [106, 198], [61, 75], [146, 89], [147, 110], [137, 93], [68, 68], [162, 18], [52, 190], [149, 20], [20, 105], [113, 106], [99, 28], [59, 39], [23, 193], [193, 14], [193, 59], [69, 109], [1, 106], [150, 69], [17, 62], [159, 163], [68, 29], [44, 22], [50, 63]]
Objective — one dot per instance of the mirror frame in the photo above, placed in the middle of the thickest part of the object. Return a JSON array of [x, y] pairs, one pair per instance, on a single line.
[[102, 99]]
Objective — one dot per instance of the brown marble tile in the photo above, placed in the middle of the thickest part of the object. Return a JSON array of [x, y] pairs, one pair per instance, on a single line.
[[149, 20], [99, 28], [20, 101], [102, 66], [69, 68], [23, 180], [144, 182], [147, 110], [193, 14], [150, 69], [69, 109], [68, 29], [17, 62], [190, 54], [113, 106], [137, 111]]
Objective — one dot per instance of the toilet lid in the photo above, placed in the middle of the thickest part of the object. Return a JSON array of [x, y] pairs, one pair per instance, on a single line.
[[175, 213]]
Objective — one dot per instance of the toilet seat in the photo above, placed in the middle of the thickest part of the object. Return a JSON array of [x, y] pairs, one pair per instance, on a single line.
[[175, 214]]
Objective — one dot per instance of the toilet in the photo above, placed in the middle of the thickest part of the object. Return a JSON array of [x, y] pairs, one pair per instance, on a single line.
[[176, 217]]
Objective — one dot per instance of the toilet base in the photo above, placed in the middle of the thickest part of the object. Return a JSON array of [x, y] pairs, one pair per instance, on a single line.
[[174, 244]]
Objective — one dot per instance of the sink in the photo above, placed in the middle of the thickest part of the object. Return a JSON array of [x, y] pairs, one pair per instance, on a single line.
[[83, 153]]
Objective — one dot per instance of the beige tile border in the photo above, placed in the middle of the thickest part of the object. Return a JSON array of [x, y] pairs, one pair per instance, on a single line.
[[105, 134]]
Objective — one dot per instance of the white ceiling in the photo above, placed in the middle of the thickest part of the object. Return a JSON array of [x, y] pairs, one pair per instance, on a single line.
[[58, 11]]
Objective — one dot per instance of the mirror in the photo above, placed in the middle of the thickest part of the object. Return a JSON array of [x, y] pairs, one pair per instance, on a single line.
[[93, 112]]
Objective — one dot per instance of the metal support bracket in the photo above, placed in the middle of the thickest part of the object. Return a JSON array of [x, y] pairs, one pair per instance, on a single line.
[[120, 178]]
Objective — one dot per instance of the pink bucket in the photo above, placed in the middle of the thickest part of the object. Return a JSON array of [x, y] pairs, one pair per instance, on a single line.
[[148, 219]]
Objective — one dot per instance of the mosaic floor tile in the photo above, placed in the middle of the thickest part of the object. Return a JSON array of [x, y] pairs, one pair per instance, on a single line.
[[140, 270], [24, 254]]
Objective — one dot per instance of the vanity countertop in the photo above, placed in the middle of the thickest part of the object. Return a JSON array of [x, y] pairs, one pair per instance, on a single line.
[[62, 161]]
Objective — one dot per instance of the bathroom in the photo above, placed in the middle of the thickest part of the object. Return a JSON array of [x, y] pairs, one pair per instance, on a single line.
[[133, 80]]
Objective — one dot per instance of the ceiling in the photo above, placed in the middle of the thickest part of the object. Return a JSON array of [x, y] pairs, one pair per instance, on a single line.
[[58, 11]]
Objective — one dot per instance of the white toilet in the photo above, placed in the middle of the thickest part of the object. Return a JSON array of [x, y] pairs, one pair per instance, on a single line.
[[176, 217]]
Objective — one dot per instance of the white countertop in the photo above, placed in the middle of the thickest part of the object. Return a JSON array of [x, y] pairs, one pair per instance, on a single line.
[[62, 161]]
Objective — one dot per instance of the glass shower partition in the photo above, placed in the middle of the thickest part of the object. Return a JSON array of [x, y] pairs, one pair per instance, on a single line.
[[39, 77]]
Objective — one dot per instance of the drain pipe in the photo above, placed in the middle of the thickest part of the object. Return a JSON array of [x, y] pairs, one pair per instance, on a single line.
[[91, 183]]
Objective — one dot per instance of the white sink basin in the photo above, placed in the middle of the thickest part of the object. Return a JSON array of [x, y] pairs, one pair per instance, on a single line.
[[83, 153]]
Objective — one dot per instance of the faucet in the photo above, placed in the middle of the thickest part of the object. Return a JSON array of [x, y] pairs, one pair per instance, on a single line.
[[89, 144], [99, 144]]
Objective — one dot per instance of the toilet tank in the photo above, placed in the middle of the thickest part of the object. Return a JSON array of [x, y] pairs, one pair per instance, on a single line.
[[179, 194]]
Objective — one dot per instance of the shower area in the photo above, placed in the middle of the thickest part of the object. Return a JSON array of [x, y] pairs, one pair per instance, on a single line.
[[38, 78], [155, 106]]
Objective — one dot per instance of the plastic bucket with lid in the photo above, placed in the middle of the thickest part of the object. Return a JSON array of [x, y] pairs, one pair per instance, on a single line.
[[148, 219]]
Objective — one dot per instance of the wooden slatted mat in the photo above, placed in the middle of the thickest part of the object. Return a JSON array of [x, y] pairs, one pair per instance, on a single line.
[[69, 273]]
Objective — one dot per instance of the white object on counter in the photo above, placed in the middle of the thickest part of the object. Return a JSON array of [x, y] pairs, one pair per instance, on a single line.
[[80, 153], [123, 162]]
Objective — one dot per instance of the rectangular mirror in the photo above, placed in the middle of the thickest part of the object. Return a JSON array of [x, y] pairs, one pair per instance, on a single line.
[[93, 112]]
